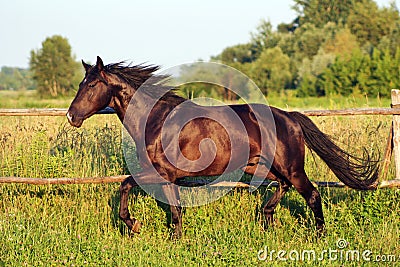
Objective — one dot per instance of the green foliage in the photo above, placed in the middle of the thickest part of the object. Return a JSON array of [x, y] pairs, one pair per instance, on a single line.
[[384, 73], [15, 79], [213, 80], [308, 40], [54, 69], [320, 12], [342, 43], [200, 86], [264, 37], [271, 71], [345, 47], [332, 47], [307, 86], [242, 53], [370, 23], [361, 73]]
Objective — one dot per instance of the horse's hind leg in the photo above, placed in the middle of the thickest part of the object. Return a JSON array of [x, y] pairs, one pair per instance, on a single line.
[[270, 206], [303, 185], [284, 186], [132, 223], [171, 192]]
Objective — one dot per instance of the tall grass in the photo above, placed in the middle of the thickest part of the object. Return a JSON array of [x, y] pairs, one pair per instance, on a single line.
[[30, 99], [78, 225], [30, 148], [286, 100]]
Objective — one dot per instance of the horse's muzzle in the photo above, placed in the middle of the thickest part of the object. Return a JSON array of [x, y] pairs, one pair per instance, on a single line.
[[74, 120]]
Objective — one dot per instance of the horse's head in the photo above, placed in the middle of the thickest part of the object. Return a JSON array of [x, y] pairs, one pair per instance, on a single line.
[[93, 95]]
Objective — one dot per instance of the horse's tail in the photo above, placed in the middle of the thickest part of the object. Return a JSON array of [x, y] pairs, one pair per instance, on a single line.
[[355, 172]]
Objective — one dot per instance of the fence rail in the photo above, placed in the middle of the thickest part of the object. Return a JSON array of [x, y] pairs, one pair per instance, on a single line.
[[339, 112], [43, 111], [393, 144], [187, 183]]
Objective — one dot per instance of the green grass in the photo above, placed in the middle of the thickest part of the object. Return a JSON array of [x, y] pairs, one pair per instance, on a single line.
[[29, 99], [78, 225], [286, 100], [289, 101]]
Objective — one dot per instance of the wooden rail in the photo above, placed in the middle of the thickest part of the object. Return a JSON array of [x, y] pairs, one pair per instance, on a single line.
[[200, 182], [339, 112], [353, 111], [43, 111], [392, 144]]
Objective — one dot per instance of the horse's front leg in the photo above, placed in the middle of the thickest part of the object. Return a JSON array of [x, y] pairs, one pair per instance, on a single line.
[[133, 224], [149, 178], [171, 192]]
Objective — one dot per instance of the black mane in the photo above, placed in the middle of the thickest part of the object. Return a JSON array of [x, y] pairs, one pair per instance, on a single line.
[[136, 75]]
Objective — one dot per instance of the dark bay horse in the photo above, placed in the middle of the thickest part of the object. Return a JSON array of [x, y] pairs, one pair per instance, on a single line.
[[115, 85]]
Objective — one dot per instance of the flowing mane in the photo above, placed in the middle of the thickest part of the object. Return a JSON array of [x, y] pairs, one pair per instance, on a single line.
[[136, 75]]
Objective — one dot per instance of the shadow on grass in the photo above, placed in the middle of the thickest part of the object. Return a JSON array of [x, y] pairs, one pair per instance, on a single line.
[[292, 201], [114, 203]]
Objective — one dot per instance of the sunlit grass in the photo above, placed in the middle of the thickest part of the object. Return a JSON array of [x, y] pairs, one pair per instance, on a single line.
[[78, 225], [29, 99], [286, 100]]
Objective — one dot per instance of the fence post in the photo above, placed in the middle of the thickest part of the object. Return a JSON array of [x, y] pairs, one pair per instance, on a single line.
[[396, 131]]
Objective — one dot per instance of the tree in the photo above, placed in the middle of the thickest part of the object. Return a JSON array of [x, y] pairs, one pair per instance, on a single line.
[[310, 71], [15, 79], [384, 74], [343, 43], [204, 75], [242, 53], [370, 23], [53, 67], [320, 12], [264, 37], [362, 73], [309, 40], [332, 47], [271, 71]]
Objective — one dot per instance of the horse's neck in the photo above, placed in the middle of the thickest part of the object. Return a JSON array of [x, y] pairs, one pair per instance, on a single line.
[[120, 100], [134, 110]]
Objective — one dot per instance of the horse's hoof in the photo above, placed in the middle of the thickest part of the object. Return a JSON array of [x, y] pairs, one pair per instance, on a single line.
[[268, 223], [136, 227], [321, 231], [175, 237]]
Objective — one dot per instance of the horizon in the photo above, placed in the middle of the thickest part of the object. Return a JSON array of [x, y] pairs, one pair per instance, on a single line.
[[165, 34]]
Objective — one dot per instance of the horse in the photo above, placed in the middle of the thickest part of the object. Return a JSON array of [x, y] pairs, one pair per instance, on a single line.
[[115, 85]]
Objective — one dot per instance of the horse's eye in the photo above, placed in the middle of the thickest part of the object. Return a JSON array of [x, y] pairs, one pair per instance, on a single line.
[[92, 84]]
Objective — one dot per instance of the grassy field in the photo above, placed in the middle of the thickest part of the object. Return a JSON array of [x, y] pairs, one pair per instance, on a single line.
[[78, 225], [29, 99], [286, 100]]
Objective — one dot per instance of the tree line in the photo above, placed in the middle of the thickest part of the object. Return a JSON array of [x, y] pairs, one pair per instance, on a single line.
[[331, 47], [15, 79], [53, 70], [349, 47]]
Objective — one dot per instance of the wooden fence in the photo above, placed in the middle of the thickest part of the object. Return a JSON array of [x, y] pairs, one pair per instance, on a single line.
[[393, 144]]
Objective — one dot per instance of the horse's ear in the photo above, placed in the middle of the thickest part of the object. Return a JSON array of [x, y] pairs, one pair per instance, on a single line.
[[99, 64], [86, 66]]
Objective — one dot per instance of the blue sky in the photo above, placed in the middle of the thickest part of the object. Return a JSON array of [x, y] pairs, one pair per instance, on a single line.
[[167, 33]]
